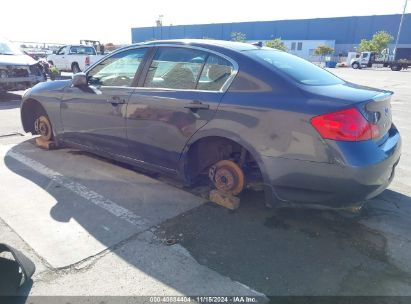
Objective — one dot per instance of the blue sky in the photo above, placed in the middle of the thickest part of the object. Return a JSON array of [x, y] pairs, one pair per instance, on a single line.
[[111, 21]]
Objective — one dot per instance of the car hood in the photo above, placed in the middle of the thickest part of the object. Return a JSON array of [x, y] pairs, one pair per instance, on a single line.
[[16, 60], [346, 93]]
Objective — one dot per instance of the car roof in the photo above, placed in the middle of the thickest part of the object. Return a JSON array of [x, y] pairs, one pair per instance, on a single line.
[[236, 46]]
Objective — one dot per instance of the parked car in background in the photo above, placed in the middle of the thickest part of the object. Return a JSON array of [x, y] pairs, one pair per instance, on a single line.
[[18, 71], [73, 58], [236, 113]]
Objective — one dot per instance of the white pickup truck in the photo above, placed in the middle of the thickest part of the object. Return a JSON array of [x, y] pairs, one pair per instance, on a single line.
[[74, 58]]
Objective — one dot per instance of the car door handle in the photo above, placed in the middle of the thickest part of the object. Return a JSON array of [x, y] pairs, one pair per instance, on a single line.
[[115, 100], [196, 105]]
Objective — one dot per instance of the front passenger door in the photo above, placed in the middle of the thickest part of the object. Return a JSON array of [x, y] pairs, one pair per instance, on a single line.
[[94, 115]]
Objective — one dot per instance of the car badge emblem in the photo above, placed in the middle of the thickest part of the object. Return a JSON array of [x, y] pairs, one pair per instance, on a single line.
[[386, 110]]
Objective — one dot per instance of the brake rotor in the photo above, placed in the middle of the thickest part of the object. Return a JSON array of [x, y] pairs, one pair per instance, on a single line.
[[42, 126], [227, 177]]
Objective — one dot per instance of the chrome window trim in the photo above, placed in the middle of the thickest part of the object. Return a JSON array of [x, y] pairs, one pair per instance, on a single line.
[[224, 87]]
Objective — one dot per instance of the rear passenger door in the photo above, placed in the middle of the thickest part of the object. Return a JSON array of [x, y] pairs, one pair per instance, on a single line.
[[179, 94]]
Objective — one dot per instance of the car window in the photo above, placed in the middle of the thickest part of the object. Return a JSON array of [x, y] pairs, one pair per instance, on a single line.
[[175, 68], [295, 67], [118, 69], [215, 73], [82, 50], [61, 50]]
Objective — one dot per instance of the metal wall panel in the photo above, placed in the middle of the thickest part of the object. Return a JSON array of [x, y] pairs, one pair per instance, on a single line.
[[344, 30]]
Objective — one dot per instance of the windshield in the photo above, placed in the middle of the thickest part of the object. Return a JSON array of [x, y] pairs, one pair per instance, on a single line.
[[8, 48], [295, 67]]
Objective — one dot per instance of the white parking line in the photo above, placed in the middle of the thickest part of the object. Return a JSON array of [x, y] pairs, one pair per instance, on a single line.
[[81, 190], [49, 199]]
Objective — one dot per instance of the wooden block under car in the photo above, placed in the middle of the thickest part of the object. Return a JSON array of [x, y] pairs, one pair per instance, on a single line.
[[224, 199], [45, 144]]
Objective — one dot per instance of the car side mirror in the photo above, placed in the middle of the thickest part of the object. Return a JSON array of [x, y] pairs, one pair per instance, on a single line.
[[79, 80]]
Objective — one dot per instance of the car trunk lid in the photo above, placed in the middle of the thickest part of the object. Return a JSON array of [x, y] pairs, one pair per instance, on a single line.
[[346, 93], [374, 104]]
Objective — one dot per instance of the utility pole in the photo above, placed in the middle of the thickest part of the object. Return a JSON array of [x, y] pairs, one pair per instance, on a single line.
[[160, 24], [399, 28]]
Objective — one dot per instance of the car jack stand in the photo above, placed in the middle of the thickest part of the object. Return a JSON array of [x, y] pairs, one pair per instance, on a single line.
[[45, 144], [224, 199]]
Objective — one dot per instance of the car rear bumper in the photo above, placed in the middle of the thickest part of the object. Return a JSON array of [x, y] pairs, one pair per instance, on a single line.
[[365, 172]]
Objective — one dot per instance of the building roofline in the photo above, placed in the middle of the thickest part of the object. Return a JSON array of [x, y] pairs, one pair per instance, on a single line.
[[277, 20]]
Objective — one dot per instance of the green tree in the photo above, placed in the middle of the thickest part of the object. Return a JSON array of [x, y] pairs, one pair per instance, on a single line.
[[323, 49], [238, 36], [380, 41], [366, 45], [276, 44]]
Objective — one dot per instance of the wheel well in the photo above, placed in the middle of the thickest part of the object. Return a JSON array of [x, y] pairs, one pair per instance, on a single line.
[[30, 110], [207, 151]]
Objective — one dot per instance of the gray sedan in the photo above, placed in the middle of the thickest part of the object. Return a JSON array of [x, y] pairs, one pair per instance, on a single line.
[[236, 113]]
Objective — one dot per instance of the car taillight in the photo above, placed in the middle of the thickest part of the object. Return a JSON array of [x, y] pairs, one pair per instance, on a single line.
[[346, 125], [87, 60]]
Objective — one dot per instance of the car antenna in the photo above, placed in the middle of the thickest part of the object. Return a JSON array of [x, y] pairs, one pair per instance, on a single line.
[[259, 43]]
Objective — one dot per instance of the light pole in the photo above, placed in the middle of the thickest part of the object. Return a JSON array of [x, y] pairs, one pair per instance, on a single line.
[[160, 22], [399, 28]]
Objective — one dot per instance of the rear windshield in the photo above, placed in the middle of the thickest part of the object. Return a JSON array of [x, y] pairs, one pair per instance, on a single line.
[[295, 67], [82, 50]]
